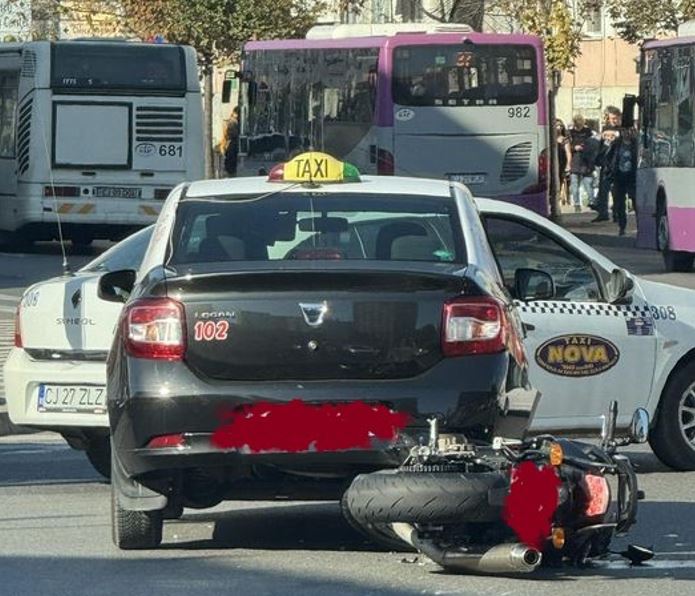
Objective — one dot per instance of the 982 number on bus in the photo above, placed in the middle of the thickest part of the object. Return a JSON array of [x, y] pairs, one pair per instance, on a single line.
[[519, 112], [170, 150]]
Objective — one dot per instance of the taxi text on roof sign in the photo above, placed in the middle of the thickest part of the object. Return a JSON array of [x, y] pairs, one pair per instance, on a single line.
[[314, 167]]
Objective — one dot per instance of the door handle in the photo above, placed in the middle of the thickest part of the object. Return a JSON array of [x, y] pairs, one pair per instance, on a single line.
[[528, 326]]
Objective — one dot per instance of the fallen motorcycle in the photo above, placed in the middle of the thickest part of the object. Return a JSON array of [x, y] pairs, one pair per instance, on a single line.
[[507, 506]]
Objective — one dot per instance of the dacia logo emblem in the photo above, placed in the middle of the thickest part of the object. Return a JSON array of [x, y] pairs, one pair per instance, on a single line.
[[76, 298], [313, 312]]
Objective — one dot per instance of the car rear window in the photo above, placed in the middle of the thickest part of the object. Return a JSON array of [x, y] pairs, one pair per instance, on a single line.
[[318, 226]]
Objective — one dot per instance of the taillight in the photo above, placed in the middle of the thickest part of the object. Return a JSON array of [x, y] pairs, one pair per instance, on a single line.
[[473, 325], [599, 495], [61, 191], [155, 328], [542, 184], [175, 441], [385, 164], [543, 168], [17, 329]]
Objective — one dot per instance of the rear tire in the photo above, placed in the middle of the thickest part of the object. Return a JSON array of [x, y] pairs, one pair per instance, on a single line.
[[99, 455], [423, 497], [133, 530], [673, 437], [673, 260], [380, 534]]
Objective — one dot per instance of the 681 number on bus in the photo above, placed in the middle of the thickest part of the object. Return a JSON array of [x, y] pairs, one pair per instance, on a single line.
[[171, 150]]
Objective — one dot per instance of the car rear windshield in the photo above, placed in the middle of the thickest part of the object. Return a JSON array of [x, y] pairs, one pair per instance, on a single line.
[[318, 226], [465, 74]]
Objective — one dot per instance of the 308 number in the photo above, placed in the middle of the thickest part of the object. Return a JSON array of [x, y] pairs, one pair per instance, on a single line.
[[171, 150], [664, 313], [519, 112]]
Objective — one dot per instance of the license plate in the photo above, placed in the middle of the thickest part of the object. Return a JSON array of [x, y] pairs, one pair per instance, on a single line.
[[468, 178], [117, 192], [87, 399]]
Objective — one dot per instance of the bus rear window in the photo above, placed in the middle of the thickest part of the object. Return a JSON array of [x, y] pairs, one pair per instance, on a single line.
[[118, 66], [470, 75]]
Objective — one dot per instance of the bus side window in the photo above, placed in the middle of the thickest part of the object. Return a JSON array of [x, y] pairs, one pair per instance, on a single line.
[[8, 104]]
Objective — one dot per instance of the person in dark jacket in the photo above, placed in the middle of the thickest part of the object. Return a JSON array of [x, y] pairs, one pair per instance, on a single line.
[[231, 150], [606, 157], [624, 169], [584, 149]]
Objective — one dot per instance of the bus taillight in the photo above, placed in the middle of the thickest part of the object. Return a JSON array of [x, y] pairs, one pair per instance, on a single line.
[[384, 163], [542, 184], [61, 191]]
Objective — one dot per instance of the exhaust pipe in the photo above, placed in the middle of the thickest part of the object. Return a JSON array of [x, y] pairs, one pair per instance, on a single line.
[[503, 558]]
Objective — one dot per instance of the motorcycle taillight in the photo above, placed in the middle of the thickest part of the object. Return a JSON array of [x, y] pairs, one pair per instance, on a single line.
[[599, 494]]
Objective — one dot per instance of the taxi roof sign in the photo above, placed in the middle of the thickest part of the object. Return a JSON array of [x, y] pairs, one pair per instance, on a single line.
[[314, 167]]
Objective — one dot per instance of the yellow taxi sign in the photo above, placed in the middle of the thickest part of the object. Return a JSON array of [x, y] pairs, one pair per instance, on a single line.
[[314, 167]]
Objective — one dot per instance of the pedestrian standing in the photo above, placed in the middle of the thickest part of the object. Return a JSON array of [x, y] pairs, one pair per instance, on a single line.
[[624, 175], [606, 159], [231, 151], [584, 149], [563, 159]]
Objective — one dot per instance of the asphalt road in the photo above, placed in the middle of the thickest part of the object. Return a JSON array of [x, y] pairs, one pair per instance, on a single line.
[[55, 526]]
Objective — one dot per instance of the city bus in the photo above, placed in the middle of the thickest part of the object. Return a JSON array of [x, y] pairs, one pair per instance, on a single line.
[[666, 155], [404, 100], [94, 134]]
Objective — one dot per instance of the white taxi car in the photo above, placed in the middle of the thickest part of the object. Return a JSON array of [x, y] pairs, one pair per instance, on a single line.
[[55, 375], [599, 334]]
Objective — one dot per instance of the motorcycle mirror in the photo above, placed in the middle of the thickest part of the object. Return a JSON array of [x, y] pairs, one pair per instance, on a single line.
[[639, 427]]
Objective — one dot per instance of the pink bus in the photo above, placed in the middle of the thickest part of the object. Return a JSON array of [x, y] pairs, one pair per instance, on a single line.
[[666, 162], [446, 102]]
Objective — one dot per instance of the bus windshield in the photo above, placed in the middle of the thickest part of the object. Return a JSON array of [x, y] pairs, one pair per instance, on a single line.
[[92, 66], [465, 74]]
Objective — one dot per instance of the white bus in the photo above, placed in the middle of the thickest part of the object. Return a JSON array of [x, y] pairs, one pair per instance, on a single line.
[[94, 133], [666, 165]]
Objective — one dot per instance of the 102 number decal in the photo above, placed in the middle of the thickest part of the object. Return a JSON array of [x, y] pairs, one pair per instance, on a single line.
[[211, 330]]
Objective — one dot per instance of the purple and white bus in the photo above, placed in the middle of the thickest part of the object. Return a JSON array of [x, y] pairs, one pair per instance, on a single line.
[[666, 164], [454, 103]]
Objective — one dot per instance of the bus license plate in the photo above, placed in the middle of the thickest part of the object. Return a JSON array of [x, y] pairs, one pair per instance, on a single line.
[[117, 192], [468, 178], [88, 399]]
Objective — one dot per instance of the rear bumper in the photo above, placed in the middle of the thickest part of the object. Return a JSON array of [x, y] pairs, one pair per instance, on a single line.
[[23, 377], [166, 398]]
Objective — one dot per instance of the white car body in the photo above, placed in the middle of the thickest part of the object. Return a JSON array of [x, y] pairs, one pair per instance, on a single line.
[[66, 332]]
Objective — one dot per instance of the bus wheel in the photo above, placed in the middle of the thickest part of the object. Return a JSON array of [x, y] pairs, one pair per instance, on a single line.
[[673, 437], [673, 260]]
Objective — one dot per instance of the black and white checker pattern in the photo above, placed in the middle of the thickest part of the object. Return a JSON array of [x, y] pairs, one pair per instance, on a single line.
[[590, 309]]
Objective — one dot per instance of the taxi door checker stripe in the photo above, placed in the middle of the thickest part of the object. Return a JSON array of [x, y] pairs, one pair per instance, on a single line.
[[591, 309]]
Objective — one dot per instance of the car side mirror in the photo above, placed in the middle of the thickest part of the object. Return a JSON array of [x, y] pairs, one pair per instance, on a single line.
[[116, 286], [533, 284], [639, 427], [619, 285]]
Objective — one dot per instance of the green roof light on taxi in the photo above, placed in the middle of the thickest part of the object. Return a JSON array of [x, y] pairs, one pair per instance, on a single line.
[[314, 167]]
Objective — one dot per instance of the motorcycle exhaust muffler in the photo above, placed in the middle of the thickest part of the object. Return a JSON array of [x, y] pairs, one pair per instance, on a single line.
[[502, 558]]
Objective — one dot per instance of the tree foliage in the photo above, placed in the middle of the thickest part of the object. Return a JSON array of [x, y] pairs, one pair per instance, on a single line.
[[557, 22], [635, 20]]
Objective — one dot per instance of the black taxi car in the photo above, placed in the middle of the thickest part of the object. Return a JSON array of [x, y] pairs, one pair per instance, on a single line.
[[286, 333]]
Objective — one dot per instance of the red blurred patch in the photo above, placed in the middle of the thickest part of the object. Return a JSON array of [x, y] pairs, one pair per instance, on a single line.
[[297, 426], [532, 502]]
